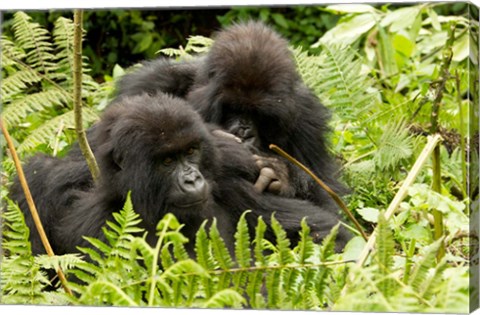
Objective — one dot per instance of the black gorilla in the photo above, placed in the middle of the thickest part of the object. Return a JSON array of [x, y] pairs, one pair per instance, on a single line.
[[159, 149], [248, 84]]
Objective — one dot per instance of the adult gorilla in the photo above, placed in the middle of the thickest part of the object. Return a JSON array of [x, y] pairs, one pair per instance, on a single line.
[[159, 149], [248, 84]]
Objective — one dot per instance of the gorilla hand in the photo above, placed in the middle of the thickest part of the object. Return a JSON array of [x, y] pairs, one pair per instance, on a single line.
[[226, 135], [273, 176]]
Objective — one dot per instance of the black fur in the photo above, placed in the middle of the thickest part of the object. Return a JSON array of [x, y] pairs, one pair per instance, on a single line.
[[131, 141], [250, 72]]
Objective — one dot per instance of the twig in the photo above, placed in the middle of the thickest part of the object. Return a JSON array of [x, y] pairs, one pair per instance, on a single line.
[[31, 204], [77, 95], [332, 194]]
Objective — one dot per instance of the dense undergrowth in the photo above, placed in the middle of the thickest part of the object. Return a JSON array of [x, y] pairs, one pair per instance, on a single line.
[[378, 70]]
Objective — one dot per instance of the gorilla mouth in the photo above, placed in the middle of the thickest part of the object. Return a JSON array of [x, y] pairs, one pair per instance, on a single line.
[[190, 204]]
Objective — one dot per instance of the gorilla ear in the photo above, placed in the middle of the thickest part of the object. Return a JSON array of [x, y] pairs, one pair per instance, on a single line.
[[117, 159], [110, 158]]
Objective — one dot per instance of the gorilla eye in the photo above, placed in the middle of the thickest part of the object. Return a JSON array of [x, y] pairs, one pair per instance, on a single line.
[[191, 151], [167, 161]]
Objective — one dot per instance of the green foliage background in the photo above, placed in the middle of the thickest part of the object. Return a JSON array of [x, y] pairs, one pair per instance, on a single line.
[[376, 68]]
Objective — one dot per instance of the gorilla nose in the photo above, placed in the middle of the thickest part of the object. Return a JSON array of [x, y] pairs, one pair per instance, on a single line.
[[194, 183], [244, 133]]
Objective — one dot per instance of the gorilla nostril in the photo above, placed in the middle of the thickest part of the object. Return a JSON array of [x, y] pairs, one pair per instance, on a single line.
[[193, 182]]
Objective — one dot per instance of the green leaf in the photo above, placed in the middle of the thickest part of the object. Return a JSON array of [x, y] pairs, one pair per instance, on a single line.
[[348, 31], [354, 248], [225, 298], [280, 20], [418, 233], [461, 48], [187, 266], [350, 8], [400, 18], [403, 44], [242, 243], [386, 58], [369, 214], [220, 250]]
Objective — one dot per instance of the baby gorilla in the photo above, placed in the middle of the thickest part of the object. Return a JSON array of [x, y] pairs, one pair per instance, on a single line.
[[159, 149]]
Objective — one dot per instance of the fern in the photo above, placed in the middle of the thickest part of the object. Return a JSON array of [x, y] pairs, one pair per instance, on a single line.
[[422, 268], [22, 280], [385, 251], [342, 84], [35, 40], [395, 145], [37, 84]]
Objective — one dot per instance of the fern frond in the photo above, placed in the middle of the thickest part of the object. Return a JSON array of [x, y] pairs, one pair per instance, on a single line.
[[17, 82], [225, 298], [395, 145], [242, 251], [97, 291], [35, 40], [10, 53], [423, 266], [48, 131], [63, 39], [16, 111], [242, 243], [221, 256], [187, 266], [22, 281], [385, 251], [220, 251], [342, 84], [127, 222], [434, 281], [283, 243], [64, 262], [326, 251], [15, 232], [307, 67], [259, 236]]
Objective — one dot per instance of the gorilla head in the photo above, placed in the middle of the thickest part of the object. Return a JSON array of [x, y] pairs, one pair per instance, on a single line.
[[249, 85], [249, 78], [160, 150]]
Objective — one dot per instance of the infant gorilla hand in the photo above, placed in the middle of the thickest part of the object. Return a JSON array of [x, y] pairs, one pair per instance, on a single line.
[[273, 176]]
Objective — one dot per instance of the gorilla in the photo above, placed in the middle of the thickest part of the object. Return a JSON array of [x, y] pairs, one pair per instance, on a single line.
[[159, 149], [248, 84]]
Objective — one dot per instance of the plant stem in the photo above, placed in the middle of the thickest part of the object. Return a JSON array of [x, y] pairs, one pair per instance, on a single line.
[[31, 205], [462, 138], [77, 95], [436, 168]]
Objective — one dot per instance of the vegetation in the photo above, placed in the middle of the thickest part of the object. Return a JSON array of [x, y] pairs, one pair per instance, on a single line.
[[382, 71]]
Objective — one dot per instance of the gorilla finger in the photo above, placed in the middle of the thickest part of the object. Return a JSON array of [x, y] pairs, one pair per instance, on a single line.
[[226, 135], [264, 179], [275, 187]]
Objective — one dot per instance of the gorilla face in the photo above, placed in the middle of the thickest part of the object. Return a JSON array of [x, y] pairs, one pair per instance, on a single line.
[[189, 188], [243, 127], [159, 151]]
